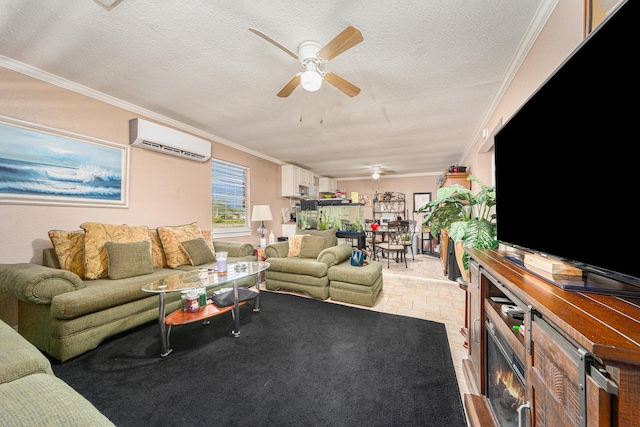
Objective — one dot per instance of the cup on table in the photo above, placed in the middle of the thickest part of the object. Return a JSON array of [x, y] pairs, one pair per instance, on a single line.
[[221, 258]]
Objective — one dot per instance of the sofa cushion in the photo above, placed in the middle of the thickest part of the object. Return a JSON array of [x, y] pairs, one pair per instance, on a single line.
[[172, 236], [295, 243], [157, 253], [129, 259], [311, 246], [329, 235], [18, 357], [46, 400], [69, 247], [96, 235], [198, 251]]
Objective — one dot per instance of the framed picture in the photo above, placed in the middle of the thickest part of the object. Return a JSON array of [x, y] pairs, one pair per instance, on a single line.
[[597, 11], [42, 165], [421, 199], [365, 199]]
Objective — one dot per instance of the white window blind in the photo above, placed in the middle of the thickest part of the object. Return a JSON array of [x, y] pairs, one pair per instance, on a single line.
[[229, 198]]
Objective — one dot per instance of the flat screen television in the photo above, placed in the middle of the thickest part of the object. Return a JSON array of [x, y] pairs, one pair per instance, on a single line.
[[566, 173]]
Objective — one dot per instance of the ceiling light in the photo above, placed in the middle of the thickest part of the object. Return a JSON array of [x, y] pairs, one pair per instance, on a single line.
[[311, 79], [375, 175]]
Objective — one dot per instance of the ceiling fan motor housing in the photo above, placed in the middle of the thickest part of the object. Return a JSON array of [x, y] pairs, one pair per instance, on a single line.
[[308, 51]]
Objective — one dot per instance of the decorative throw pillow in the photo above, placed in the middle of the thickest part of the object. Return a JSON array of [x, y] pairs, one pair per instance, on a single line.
[[311, 246], [157, 253], [198, 251], [96, 235], [128, 259], [295, 241], [69, 248], [207, 238], [171, 238]]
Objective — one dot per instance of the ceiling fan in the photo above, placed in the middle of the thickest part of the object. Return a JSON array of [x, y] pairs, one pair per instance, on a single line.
[[312, 55], [377, 171]]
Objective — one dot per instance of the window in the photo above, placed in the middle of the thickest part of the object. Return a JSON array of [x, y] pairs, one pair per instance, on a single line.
[[229, 198]]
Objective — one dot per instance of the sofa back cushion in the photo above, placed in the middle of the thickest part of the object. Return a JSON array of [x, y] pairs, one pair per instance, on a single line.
[[329, 236], [96, 260], [69, 248], [311, 246]]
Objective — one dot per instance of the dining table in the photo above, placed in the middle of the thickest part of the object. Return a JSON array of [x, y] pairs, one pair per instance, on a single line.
[[373, 234]]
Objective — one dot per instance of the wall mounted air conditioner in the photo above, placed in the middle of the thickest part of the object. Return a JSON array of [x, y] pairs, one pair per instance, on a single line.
[[152, 136]]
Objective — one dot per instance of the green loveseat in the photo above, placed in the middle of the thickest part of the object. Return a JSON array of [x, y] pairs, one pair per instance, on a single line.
[[32, 395], [308, 270], [65, 315]]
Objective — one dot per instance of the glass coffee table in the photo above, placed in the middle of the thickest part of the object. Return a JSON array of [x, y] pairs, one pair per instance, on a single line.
[[189, 280]]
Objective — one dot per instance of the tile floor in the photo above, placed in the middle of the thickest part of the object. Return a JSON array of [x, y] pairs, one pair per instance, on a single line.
[[422, 290]]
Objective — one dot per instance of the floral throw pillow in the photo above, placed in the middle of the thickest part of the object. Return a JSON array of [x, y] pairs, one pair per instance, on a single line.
[[171, 237], [96, 260], [157, 252], [69, 247], [295, 242]]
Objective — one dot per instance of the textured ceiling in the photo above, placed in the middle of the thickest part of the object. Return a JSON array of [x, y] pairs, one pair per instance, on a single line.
[[429, 71]]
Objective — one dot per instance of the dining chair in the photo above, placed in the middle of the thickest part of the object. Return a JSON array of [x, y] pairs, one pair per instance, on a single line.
[[407, 239], [393, 243]]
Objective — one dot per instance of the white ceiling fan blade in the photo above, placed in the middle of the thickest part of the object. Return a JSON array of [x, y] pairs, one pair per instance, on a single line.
[[272, 41]]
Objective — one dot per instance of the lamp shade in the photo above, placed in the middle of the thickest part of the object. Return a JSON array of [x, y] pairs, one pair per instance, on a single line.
[[261, 213]]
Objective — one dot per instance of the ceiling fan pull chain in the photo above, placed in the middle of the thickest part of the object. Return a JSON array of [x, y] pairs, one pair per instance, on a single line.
[[321, 104]]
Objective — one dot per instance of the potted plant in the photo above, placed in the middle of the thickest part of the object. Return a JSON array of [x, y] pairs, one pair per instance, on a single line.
[[467, 217]]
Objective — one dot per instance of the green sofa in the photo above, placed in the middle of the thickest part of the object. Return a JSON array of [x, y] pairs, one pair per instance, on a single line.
[[308, 271], [32, 395], [64, 315]]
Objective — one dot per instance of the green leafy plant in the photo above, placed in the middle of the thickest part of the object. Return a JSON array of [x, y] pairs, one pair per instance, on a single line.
[[466, 216]]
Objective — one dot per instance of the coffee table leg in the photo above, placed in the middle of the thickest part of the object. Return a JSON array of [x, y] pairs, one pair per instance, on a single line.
[[256, 304], [164, 334], [236, 311]]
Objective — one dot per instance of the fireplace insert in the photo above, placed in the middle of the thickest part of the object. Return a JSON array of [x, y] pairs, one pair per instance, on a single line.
[[505, 378]]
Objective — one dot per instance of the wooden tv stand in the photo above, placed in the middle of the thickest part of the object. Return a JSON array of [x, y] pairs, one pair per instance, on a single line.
[[580, 351]]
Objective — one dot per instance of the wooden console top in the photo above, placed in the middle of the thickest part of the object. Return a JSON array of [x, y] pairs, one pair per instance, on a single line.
[[606, 326]]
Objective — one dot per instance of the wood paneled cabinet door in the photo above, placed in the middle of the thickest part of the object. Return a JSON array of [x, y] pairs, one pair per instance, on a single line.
[[560, 388], [474, 323]]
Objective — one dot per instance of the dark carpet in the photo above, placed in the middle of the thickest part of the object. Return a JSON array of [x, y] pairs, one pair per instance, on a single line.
[[298, 361]]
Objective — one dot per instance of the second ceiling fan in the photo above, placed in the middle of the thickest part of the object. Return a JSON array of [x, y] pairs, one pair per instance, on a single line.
[[312, 55]]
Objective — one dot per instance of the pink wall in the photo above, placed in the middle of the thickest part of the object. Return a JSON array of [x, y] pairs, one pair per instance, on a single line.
[[166, 190], [562, 33]]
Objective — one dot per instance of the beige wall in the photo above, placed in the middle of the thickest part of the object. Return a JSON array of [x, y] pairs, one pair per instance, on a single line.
[[562, 33], [408, 186], [167, 190]]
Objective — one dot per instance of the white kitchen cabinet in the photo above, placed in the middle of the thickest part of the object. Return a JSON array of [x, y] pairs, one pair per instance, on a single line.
[[293, 178], [327, 185]]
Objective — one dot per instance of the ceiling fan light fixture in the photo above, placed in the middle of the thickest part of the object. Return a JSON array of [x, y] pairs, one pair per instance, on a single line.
[[311, 80], [375, 175]]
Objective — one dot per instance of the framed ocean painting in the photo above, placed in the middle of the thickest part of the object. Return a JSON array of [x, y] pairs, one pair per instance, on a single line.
[[42, 165]]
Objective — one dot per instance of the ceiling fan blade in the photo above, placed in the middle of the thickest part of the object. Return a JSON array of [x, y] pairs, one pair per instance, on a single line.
[[347, 87], [347, 39], [290, 86], [272, 41]]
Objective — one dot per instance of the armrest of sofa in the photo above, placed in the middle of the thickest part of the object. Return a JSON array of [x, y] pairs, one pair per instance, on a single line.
[[277, 250], [35, 283], [235, 249], [335, 254]]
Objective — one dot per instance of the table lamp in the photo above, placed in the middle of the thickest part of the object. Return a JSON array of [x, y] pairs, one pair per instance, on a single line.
[[262, 213]]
